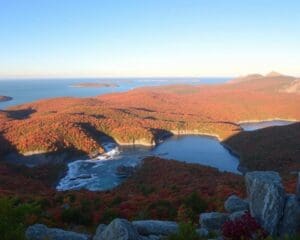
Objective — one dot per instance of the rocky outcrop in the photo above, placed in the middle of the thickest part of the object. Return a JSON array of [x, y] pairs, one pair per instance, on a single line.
[[236, 215], [266, 198], [99, 230], [202, 232], [290, 222], [119, 229], [213, 221], [41, 232], [235, 204], [155, 227], [277, 212]]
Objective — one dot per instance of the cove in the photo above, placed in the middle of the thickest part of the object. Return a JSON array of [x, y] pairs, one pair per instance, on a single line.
[[102, 173], [252, 126]]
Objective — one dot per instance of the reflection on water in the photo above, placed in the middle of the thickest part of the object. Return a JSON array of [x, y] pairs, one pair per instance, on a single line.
[[101, 174]]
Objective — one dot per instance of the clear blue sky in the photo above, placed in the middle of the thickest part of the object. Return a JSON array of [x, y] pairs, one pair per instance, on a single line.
[[148, 37]]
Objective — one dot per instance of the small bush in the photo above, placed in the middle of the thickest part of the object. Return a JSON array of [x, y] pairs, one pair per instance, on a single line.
[[109, 215], [186, 232], [146, 190], [76, 216], [116, 201], [13, 218], [194, 202], [192, 206], [162, 209], [244, 228]]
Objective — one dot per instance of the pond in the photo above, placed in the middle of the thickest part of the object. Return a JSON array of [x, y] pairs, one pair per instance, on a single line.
[[102, 173]]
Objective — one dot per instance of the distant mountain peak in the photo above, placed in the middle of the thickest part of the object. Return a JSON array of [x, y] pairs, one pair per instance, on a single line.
[[249, 77], [274, 74]]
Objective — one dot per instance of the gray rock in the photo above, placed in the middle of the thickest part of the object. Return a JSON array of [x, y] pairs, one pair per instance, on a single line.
[[298, 187], [234, 204], [236, 215], [290, 223], [202, 232], [99, 230], [213, 221], [155, 227], [151, 237], [266, 198], [41, 232], [119, 229]]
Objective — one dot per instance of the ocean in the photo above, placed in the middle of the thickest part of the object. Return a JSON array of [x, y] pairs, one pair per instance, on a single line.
[[28, 90]]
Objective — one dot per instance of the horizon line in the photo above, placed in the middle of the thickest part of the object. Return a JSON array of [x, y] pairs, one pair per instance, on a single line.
[[108, 77]]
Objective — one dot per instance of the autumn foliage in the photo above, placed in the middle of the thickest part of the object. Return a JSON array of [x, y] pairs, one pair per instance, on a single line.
[[140, 115], [244, 228], [160, 189]]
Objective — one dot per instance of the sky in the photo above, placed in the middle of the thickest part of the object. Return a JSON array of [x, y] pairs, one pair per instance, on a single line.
[[118, 38]]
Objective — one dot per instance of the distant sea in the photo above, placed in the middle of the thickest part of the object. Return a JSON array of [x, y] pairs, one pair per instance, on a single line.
[[28, 90]]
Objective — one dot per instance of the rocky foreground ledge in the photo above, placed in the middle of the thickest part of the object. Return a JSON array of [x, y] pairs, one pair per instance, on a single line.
[[267, 210]]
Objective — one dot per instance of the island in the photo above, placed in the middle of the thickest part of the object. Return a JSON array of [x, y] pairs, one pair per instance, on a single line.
[[5, 98], [94, 85]]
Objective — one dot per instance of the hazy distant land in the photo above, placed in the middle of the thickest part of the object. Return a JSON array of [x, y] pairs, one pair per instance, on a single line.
[[5, 98], [94, 85]]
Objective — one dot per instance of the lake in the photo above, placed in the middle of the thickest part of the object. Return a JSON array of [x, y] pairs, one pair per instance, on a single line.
[[29, 90], [102, 174], [252, 126]]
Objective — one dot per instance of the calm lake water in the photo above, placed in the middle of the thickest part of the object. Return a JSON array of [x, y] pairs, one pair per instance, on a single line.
[[252, 126], [102, 174], [29, 90]]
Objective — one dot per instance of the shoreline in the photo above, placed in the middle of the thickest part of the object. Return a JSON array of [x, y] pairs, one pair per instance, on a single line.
[[159, 139], [268, 120]]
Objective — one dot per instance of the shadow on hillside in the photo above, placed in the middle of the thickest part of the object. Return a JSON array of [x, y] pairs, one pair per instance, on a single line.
[[229, 123], [274, 148], [44, 158], [20, 114], [99, 136], [144, 109], [5, 146], [160, 134]]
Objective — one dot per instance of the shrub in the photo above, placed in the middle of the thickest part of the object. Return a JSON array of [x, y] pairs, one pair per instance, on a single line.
[[76, 216], [116, 201], [13, 218], [162, 209], [192, 206], [186, 232], [244, 228], [109, 215], [146, 190]]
